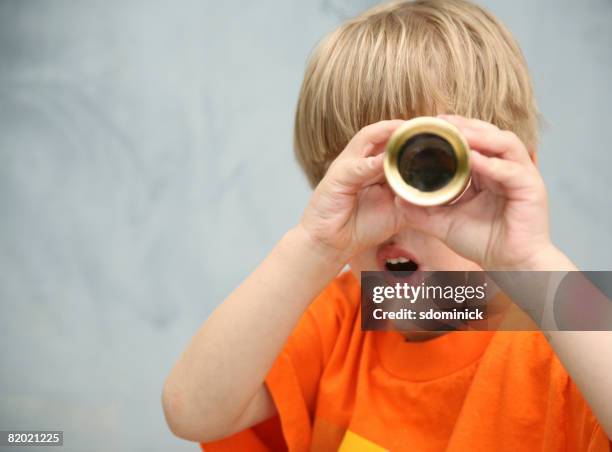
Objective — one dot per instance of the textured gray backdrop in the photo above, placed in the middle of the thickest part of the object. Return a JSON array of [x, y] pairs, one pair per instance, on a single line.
[[146, 167]]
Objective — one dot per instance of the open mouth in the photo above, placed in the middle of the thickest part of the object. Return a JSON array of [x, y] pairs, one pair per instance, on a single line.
[[401, 265]]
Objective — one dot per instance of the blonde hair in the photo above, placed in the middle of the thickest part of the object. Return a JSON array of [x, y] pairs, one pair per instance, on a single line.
[[407, 59]]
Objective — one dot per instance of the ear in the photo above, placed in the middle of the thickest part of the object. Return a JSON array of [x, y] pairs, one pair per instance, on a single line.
[[533, 155]]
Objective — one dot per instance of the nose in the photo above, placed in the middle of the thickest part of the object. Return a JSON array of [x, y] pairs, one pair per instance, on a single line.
[[390, 241]]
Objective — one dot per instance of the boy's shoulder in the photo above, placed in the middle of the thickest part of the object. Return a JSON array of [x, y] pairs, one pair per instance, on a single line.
[[526, 347], [339, 299]]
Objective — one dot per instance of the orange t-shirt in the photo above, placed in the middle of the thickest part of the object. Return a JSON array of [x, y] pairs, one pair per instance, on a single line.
[[338, 388]]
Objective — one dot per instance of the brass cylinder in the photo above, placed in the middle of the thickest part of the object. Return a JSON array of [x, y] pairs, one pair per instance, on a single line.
[[427, 162]]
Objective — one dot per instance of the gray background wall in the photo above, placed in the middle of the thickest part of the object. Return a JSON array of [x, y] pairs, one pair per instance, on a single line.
[[146, 167]]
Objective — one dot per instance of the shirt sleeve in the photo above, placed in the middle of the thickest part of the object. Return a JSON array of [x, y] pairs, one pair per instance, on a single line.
[[599, 441], [263, 437], [293, 380]]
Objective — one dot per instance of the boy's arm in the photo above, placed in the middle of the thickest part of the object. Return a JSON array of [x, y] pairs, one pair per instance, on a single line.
[[217, 386], [586, 355], [502, 224]]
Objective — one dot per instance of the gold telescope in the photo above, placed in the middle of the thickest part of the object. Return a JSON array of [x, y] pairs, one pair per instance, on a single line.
[[427, 162]]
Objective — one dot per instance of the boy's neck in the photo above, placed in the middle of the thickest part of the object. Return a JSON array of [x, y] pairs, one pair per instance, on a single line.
[[422, 336]]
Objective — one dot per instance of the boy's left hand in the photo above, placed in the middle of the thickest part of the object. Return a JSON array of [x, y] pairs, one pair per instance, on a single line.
[[501, 222]]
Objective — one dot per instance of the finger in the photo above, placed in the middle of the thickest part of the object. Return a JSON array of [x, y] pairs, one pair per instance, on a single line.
[[379, 179], [499, 143], [368, 140], [351, 175], [510, 175], [488, 138]]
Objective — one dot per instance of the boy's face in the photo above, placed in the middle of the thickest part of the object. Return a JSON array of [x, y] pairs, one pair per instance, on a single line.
[[410, 250], [421, 252]]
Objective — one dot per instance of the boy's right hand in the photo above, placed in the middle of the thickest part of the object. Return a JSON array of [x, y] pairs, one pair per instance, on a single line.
[[353, 208]]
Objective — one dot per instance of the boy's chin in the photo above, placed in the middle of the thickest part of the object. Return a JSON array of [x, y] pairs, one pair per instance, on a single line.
[[422, 336]]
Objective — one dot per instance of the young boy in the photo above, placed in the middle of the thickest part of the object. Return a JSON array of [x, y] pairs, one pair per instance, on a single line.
[[283, 364]]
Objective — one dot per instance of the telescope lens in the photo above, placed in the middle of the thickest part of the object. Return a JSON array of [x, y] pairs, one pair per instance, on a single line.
[[427, 162]]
